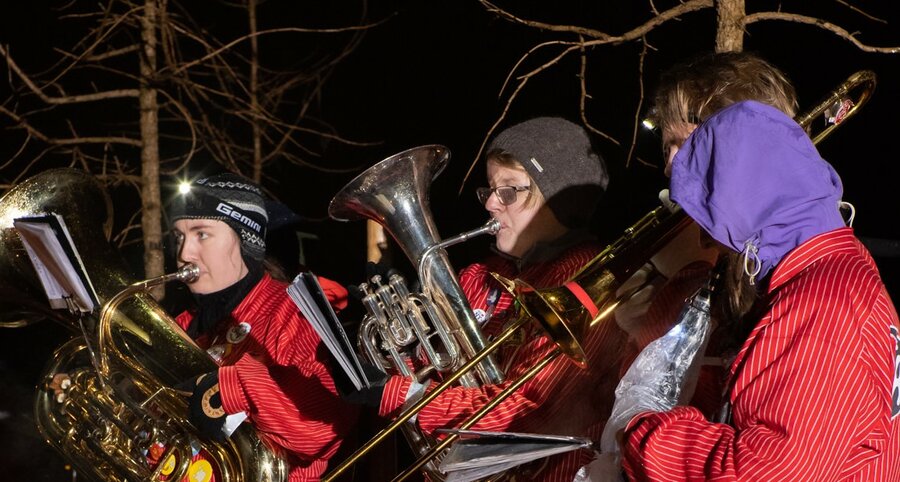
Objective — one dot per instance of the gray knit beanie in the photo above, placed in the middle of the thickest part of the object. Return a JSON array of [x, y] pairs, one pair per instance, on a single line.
[[559, 157], [232, 199]]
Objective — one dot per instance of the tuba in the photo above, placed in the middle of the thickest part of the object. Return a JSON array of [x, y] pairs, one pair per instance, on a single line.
[[121, 363]]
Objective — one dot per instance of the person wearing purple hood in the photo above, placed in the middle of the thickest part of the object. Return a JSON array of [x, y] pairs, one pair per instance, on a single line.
[[814, 390], [687, 94]]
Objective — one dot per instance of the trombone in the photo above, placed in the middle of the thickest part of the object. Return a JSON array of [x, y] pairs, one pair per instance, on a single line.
[[839, 106], [566, 311]]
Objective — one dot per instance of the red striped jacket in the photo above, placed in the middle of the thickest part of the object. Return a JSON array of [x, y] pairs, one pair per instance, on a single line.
[[277, 374], [811, 387], [562, 399]]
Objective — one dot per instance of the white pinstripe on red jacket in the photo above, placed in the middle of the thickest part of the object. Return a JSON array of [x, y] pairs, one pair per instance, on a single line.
[[811, 387], [278, 376], [563, 399]]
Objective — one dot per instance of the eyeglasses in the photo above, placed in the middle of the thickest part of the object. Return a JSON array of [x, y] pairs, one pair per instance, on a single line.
[[505, 194]]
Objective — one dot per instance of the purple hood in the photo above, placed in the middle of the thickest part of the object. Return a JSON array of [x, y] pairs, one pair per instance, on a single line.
[[750, 174]]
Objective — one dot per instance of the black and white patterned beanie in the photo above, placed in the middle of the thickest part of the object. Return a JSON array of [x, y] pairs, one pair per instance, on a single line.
[[230, 198]]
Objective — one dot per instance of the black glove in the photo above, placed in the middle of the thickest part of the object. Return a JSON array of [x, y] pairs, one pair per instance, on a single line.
[[380, 269], [369, 396], [205, 410], [354, 312]]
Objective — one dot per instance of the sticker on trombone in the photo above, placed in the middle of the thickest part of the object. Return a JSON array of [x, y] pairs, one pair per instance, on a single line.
[[838, 111], [200, 471], [168, 466], [217, 352]]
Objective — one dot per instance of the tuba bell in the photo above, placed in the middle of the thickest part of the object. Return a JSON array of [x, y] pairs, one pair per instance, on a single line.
[[121, 363]]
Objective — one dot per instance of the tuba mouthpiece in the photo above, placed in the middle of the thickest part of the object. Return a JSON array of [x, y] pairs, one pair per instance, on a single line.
[[188, 273]]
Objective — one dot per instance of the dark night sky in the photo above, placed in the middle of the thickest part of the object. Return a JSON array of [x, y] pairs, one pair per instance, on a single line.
[[432, 74]]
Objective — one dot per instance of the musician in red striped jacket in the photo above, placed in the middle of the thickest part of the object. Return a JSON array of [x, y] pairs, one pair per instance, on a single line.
[[688, 93], [271, 360], [545, 182], [814, 388]]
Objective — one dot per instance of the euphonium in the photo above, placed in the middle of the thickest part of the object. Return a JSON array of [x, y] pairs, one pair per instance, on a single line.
[[394, 193], [118, 368]]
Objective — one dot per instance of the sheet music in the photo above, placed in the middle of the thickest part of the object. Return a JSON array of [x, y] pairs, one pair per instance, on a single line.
[[307, 294], [57, 262]]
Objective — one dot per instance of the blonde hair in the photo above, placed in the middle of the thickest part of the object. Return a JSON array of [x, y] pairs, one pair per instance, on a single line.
[[694, 90], [505, 159]]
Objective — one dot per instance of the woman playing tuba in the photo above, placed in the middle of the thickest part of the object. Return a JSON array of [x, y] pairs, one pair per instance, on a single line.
[[268, 355]]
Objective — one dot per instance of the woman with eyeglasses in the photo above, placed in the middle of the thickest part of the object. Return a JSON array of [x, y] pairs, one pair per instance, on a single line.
[[545, 181]]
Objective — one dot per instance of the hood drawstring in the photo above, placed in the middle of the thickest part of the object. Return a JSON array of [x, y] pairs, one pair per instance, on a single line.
[[845, 205], [751, 252]]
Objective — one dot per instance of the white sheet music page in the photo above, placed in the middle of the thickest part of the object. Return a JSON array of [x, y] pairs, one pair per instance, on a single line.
[[307, 294], [56, 261]]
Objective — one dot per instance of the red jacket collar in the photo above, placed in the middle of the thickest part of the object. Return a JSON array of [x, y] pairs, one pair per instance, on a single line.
[[840, 240]]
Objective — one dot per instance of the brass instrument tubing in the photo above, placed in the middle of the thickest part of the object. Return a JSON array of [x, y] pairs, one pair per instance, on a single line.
[[503, 395], [186, 273], [176, 450], [492, 226], [415, 409], [864, 78], [92, 354]]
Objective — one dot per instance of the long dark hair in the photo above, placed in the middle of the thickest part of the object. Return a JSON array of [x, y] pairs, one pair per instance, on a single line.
[[739, 304]]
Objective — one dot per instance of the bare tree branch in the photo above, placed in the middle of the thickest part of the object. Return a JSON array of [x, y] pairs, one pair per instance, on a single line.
[[732, 21], [582, 99], [824, 25], [54, 141], [602, 38], [277, 30], [861, 12], [72, 99], [582, 31]]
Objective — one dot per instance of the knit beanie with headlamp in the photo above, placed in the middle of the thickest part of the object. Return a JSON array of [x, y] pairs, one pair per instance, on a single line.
[[232, 199], [239, 203]]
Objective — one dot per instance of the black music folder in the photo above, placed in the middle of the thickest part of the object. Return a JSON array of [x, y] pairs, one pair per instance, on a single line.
[[307, 294], [57, 262]]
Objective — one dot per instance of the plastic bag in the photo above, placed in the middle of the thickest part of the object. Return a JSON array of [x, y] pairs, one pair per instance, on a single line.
[[654, 382]]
